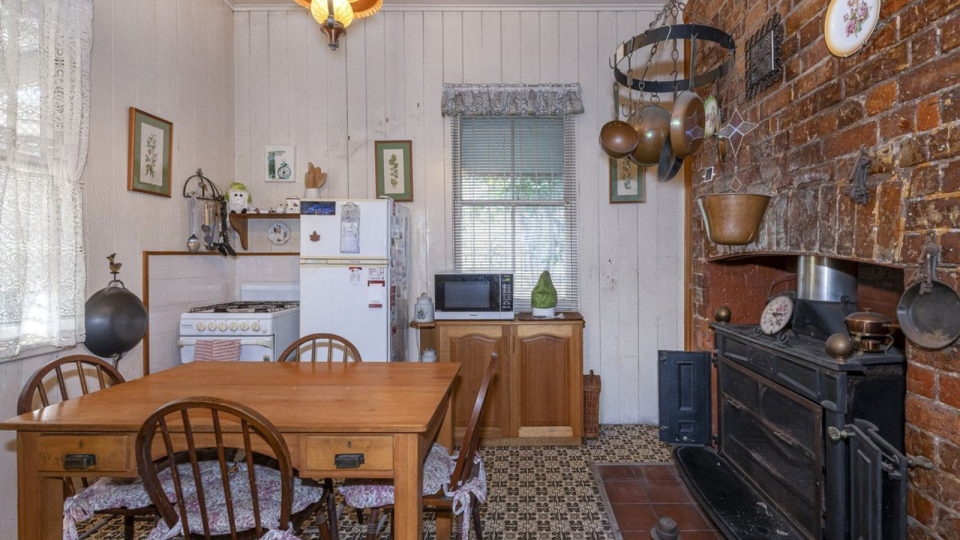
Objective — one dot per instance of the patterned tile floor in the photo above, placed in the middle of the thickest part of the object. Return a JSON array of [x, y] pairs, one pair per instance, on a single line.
[[534, 493]]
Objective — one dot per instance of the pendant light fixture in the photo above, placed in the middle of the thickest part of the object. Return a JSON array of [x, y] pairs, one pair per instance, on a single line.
[[334, 17]]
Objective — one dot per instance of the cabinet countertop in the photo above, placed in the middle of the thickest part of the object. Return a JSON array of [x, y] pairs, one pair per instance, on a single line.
[[522, 317]]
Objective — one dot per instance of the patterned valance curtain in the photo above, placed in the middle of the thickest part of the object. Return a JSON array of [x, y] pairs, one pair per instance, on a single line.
[[44, 129], [511, 99]]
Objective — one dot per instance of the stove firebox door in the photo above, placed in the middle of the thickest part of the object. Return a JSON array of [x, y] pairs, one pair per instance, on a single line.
[[878, 483], [685, 418]]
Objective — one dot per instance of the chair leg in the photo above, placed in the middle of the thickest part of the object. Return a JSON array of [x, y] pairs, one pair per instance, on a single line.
[[359, 515], [331, 510], [477, 524], [372, 520], [390, 513], [128, 528]]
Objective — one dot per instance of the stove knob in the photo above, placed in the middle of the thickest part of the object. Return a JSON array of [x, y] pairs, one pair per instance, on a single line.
[[233, 326], [256, 326], [223, 327], [201, 326], [244, 326], [211, 326]]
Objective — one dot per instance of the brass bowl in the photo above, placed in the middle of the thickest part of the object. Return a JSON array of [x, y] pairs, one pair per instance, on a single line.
[[618, 139], [653, 130], [733, 219]]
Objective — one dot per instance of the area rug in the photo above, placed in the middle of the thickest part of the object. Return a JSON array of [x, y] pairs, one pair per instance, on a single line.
[[534, 492]]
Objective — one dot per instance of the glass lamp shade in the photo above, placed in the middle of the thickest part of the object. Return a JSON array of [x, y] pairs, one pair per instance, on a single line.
[[342, 12], [365, 8]]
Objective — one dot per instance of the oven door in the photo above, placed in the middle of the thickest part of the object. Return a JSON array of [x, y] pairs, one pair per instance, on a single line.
[[467, 293], [252, 349]]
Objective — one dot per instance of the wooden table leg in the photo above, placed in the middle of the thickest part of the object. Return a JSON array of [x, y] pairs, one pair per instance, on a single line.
[[39, 499], [445, 437], [408, 488]]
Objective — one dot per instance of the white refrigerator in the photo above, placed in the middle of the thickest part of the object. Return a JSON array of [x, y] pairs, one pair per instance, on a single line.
[[353, 274]]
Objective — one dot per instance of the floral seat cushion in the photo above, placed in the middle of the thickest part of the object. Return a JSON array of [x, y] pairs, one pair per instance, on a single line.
[[115, 493], [268, 493], [437, 470]]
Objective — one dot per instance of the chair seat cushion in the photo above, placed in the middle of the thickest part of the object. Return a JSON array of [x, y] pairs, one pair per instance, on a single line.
[[436, 475], [115, 493], [269, 491]]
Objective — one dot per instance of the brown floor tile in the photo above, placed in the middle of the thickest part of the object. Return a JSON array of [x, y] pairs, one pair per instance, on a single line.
[[687, 516], [667, 493], [614, 473], [622, 492], [636, 535], [634, 517], [658, 474], [697, 535]]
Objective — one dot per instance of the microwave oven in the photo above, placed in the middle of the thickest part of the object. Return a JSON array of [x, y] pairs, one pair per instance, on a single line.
[[473, 296]]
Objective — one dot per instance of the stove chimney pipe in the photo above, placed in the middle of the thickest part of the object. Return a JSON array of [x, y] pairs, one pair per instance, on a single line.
[[822, 279]]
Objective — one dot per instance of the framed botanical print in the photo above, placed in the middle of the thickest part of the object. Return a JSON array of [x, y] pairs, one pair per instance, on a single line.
[[150, 159], [627, 182], [394, 169]]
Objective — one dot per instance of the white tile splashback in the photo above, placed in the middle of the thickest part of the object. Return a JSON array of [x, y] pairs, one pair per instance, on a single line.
[[180, 282]]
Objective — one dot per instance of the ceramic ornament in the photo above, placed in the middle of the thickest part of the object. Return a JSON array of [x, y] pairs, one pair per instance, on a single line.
[[238, 198], [735, 130], [849, 24], [712, 110]]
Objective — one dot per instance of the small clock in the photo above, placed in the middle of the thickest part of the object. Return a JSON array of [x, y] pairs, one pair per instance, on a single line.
[[777, 314]]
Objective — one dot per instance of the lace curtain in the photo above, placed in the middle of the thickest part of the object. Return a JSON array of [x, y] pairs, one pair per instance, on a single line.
[[511, 100], [44, 118]]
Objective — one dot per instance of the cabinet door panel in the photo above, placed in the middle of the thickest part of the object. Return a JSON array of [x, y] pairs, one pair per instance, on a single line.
[[471, 347], [546, 394]]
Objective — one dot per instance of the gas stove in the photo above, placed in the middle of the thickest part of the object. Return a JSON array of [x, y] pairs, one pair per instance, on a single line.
[[247, 307], [265, 321]]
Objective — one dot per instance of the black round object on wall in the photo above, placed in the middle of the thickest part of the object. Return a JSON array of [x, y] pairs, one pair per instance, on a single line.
[[116, 321]]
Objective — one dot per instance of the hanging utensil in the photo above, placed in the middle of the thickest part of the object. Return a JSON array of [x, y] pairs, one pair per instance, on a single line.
[[929, 310], [618, 139], [653, 131], [193, 243], [668, 165], [687, 124]]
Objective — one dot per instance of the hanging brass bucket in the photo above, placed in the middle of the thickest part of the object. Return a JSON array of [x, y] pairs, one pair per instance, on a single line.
[[733, 219]]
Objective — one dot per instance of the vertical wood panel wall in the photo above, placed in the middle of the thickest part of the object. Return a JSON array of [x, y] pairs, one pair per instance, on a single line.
[[385, 83]]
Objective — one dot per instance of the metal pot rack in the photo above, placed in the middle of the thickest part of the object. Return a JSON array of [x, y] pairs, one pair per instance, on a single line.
[[201, 188]]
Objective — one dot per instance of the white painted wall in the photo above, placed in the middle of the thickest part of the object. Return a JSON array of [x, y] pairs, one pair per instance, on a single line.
[[172, 58], [385, 83]]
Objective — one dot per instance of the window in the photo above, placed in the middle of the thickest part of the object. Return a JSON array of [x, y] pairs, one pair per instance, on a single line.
[[515, 201]]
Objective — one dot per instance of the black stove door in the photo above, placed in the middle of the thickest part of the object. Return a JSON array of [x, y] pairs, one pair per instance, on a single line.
[[685, 418], [878, 484]]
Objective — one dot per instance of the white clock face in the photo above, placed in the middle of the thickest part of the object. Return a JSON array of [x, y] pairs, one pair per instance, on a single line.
[[776, 315]]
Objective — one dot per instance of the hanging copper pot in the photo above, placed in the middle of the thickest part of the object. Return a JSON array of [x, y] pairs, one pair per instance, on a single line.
[[653, 130], [618, 139], [687, 124], [733, 219], [669, 164]]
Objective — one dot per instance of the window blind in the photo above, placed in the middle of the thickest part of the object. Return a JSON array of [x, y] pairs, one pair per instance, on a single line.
[[515, 201]]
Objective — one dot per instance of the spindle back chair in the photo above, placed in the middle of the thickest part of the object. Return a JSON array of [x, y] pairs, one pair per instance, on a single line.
[[210, 416], [346, 350]]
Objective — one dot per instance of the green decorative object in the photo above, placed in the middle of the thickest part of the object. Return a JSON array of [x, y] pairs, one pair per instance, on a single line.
[[544, 297]]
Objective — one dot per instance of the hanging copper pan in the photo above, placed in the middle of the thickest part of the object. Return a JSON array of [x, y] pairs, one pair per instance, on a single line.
[[669, 164], [618, 139], [687, 123], [654, 131]]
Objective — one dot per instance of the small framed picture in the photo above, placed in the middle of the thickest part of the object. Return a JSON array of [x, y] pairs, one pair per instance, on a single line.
[[394, 169], [150, 159], [627, 182], [280, 164]]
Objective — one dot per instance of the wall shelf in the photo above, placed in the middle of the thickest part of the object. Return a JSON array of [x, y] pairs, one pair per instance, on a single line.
[[239, 223]]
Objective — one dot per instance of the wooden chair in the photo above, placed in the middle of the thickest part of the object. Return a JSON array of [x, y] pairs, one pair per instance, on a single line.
[[463, 472], [197, 494], [93, 374], [331, 342]]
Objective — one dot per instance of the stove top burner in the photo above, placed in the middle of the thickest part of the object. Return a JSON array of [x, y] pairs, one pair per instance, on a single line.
[[246, 307]]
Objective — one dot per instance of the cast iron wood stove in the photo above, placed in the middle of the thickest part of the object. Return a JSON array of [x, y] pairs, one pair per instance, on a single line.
[[807, 447]]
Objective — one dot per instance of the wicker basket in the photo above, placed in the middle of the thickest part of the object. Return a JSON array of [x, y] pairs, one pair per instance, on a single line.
[[591, 406]]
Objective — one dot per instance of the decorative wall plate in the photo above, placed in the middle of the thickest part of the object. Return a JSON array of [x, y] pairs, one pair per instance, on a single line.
[[849, 24], [279, 234]]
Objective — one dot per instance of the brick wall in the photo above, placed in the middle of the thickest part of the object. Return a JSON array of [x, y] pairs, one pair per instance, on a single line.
[[900, 97]]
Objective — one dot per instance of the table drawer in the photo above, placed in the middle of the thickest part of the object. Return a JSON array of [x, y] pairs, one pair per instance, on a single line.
[[110, 453], [320, 452]]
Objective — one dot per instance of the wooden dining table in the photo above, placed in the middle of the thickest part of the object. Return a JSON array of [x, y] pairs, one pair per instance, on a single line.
[[389, 412]]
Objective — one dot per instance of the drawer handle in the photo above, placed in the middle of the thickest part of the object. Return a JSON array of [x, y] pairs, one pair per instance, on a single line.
[[348, 461], [786, 440], [79, 462]]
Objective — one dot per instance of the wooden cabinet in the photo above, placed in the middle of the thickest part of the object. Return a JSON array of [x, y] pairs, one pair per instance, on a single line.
[[537, 393]]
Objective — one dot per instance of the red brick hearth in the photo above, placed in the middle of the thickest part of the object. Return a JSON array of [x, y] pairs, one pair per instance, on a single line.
[[900, 97]]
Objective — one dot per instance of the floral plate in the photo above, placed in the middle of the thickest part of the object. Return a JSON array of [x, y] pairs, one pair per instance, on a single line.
[[849, 24], [279, 234]]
